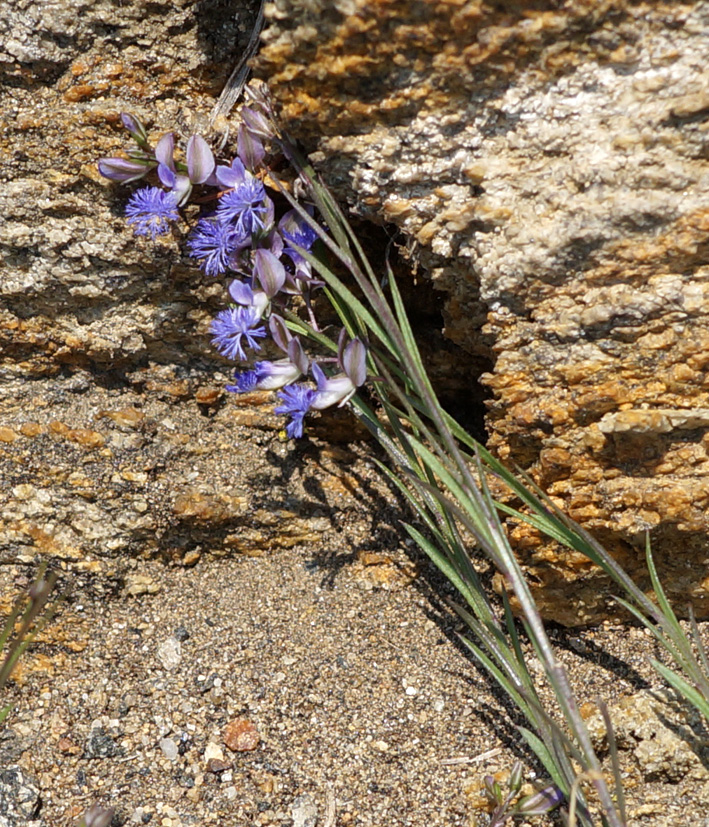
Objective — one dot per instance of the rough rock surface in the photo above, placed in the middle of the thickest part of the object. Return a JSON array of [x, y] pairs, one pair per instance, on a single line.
[[92, 323], [548, 162], [663, 734]]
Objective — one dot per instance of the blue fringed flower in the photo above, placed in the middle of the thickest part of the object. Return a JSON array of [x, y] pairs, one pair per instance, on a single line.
[[151, 210], [247, 380], [296, 231], [297, 400], [215, 243], [245, 205], [233, 327]]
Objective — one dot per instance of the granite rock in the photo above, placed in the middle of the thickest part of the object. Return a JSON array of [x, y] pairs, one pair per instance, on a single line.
[[547, 166], [116, 438], [20, 801], [661, 732]]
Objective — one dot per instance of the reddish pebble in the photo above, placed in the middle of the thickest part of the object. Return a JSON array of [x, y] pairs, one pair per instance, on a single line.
[[208, 395], [241, 735], [67, 746]]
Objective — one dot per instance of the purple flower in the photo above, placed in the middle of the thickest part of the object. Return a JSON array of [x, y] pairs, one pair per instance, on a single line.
[[266, 376], [124, 169], [136, 130], [249, 148], [242, 292], [151, 210], [540, 802], [215, 243], [245, 208], [234, 175], [233, 325], [257, 123], [280, 333], [200, 160], [246, 204], [297, 400], [164, 155], [200, 165], [247, 380], [269, 271], [296, 231], [138, 163], [269, 376], [338, 389]]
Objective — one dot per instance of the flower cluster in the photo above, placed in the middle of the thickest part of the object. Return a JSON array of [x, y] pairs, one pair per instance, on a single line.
[[242, 237]]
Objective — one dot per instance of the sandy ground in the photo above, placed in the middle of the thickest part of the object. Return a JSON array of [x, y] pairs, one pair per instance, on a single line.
[[332, 667]]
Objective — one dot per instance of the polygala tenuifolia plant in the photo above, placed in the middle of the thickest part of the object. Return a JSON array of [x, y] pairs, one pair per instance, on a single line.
[[275, 243], [262, 255]]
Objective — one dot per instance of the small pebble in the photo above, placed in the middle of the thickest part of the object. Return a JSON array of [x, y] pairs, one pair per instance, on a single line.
[[216, 766], [101, 745], [304, 812], [213, 752], [169, 748], [241, 735], [170, 653]]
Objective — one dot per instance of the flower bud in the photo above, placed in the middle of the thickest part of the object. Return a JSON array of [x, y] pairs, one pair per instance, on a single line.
[[165, 150], [136, 129], [256, 122], [540, 802], [279, 332], [354, 362], [249, 148], [120, 169], [269, 271]]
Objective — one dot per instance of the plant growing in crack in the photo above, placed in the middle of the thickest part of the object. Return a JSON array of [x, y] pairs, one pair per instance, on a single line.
[[279, 241]]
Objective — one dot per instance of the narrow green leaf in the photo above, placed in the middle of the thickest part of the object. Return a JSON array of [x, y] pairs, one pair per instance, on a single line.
[[684, 688], [615, 763], [492, 669], [540, 749]]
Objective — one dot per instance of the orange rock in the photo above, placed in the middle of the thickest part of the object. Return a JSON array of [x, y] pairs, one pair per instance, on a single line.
[[241, 736], [125, 417], [209, 395], [86, 437]]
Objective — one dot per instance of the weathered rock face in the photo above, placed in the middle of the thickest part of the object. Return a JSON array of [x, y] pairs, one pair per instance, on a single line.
[[551, 162], [547, 163], [77, 290], [115, 440]]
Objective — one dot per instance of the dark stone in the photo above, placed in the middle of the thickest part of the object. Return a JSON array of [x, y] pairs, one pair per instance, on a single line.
[[19, 798], [101, 745]]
